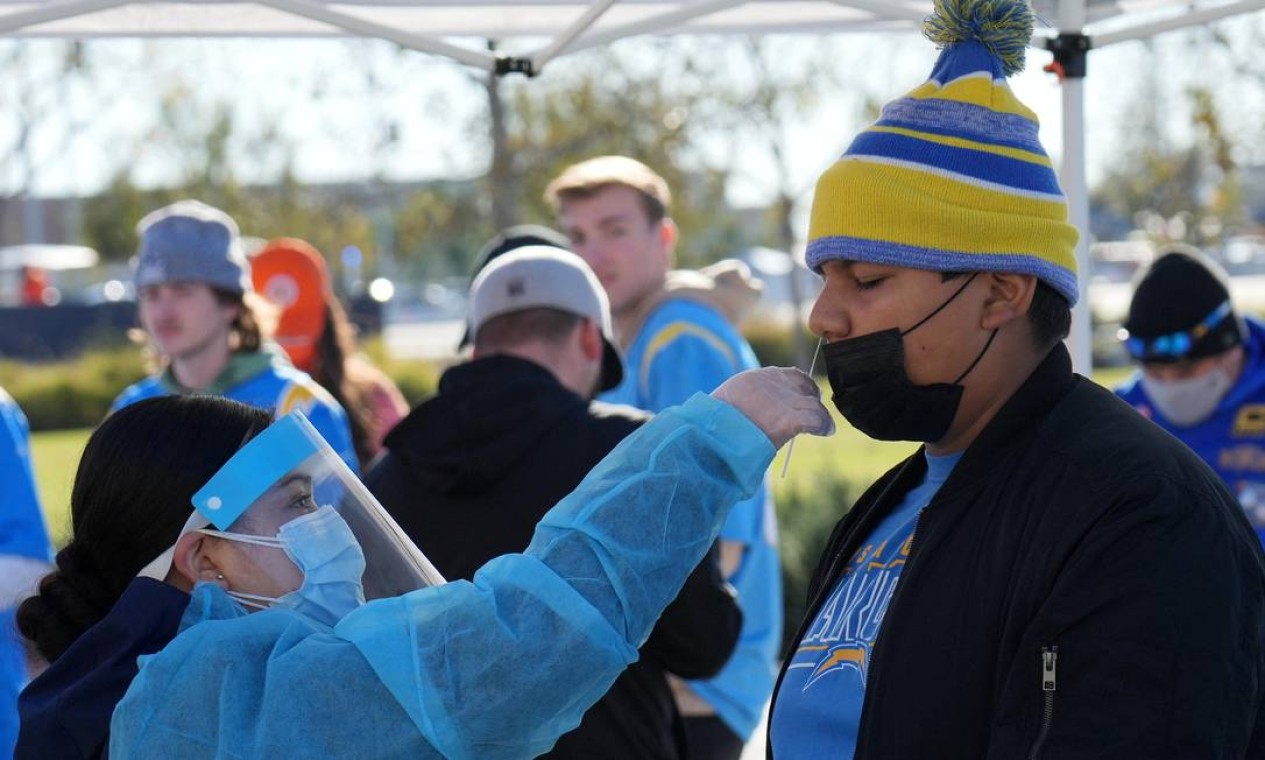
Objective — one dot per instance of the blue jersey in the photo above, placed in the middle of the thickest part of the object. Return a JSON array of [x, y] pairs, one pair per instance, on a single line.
[[818, 709], [24, 550], [686, 347], [1232, 440], [279, 387]]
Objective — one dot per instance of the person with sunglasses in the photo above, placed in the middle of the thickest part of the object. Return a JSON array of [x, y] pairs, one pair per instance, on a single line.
[[1201, 369]]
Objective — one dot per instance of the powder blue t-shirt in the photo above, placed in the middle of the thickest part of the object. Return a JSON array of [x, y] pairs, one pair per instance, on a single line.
[[818, 708]]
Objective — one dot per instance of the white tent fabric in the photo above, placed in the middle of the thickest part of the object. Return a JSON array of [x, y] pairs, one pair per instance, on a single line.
[[570, 24], [459, 29]]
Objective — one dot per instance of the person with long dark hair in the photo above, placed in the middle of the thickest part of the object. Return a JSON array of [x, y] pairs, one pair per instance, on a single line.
[[92, 616], [188, 516]]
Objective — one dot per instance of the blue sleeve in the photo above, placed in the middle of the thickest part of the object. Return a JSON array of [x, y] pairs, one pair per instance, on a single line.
[[22, 539], [12, 678], [22, 531], [502, 666]]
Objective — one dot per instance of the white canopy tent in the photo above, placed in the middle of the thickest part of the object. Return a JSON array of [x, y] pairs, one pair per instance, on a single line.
[[458, 28]]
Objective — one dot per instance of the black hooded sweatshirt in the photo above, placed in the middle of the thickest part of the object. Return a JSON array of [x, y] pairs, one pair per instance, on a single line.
[[470, 472]]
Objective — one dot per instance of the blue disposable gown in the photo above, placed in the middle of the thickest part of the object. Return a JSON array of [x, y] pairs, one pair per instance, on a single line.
[[682, 348], [494, 668]]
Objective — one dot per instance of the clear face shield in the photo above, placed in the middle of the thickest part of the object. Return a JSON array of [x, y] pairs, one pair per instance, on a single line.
[[307, 533]]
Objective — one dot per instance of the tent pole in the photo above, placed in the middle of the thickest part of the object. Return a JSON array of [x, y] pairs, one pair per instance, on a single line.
[[1184, 21], [654, 24], [1080, 341], [12, 22], [578, 27], [318, 12]]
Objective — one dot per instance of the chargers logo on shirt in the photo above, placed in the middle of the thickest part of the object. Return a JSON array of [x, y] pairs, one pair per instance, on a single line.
[[848, 623], [296, 396], [1250, 421]]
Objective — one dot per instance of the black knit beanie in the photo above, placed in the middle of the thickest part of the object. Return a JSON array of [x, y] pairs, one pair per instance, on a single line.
[[1176, 294]]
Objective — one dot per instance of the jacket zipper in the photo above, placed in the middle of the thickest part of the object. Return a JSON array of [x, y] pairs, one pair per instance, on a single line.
[[1049, 671]]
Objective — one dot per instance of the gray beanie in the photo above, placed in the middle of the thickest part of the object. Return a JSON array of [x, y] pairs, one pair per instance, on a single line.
[[190, 241]]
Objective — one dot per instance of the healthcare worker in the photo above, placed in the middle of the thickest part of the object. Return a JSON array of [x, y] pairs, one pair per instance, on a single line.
[[494, 668], [92, 616], [104, 606]]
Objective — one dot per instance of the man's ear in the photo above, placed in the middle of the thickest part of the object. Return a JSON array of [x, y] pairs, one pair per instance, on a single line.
[[195, 561], [591, 340], [1009, 297]]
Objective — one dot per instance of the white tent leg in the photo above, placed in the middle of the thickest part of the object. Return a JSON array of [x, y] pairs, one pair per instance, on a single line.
[[1080, 341], [318, 12], [12, 22]]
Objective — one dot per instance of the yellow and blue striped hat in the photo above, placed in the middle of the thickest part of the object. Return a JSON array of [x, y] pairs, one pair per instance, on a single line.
[[952, 177]]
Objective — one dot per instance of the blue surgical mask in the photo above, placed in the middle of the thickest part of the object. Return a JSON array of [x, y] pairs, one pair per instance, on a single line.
[[322, 545]]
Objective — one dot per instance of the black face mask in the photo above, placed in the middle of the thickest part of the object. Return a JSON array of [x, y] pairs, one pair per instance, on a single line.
[[873, 392]]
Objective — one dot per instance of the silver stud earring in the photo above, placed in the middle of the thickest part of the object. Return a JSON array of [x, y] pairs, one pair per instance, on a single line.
[[219, 576]]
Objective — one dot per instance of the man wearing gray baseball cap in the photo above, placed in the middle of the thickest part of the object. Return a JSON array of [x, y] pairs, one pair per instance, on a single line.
[[470, 472], [202, 321]]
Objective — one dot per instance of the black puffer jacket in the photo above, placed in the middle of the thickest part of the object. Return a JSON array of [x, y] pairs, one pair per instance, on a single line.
[[470, 472], [1071, 522]]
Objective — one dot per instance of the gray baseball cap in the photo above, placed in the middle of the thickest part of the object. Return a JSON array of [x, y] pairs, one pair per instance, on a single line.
[[190, 241], [541, 276]]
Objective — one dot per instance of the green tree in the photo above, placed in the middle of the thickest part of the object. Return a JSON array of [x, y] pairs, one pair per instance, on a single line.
[[637, 103], [51, 94], [1177, 193], [439, 228]]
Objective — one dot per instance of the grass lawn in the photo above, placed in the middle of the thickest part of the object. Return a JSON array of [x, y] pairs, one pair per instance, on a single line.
[[56, 456]]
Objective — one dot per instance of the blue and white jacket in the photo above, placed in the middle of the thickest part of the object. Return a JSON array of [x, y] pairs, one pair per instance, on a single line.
[[271, 382], [1232, 440]]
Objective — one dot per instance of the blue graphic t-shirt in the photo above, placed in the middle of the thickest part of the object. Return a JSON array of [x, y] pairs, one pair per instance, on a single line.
[[818, 708]]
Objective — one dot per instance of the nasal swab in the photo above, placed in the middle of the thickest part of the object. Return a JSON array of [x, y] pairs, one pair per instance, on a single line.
[[791, 446]]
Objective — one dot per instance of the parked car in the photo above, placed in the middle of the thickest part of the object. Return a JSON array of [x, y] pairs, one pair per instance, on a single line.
[[41, 275]]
